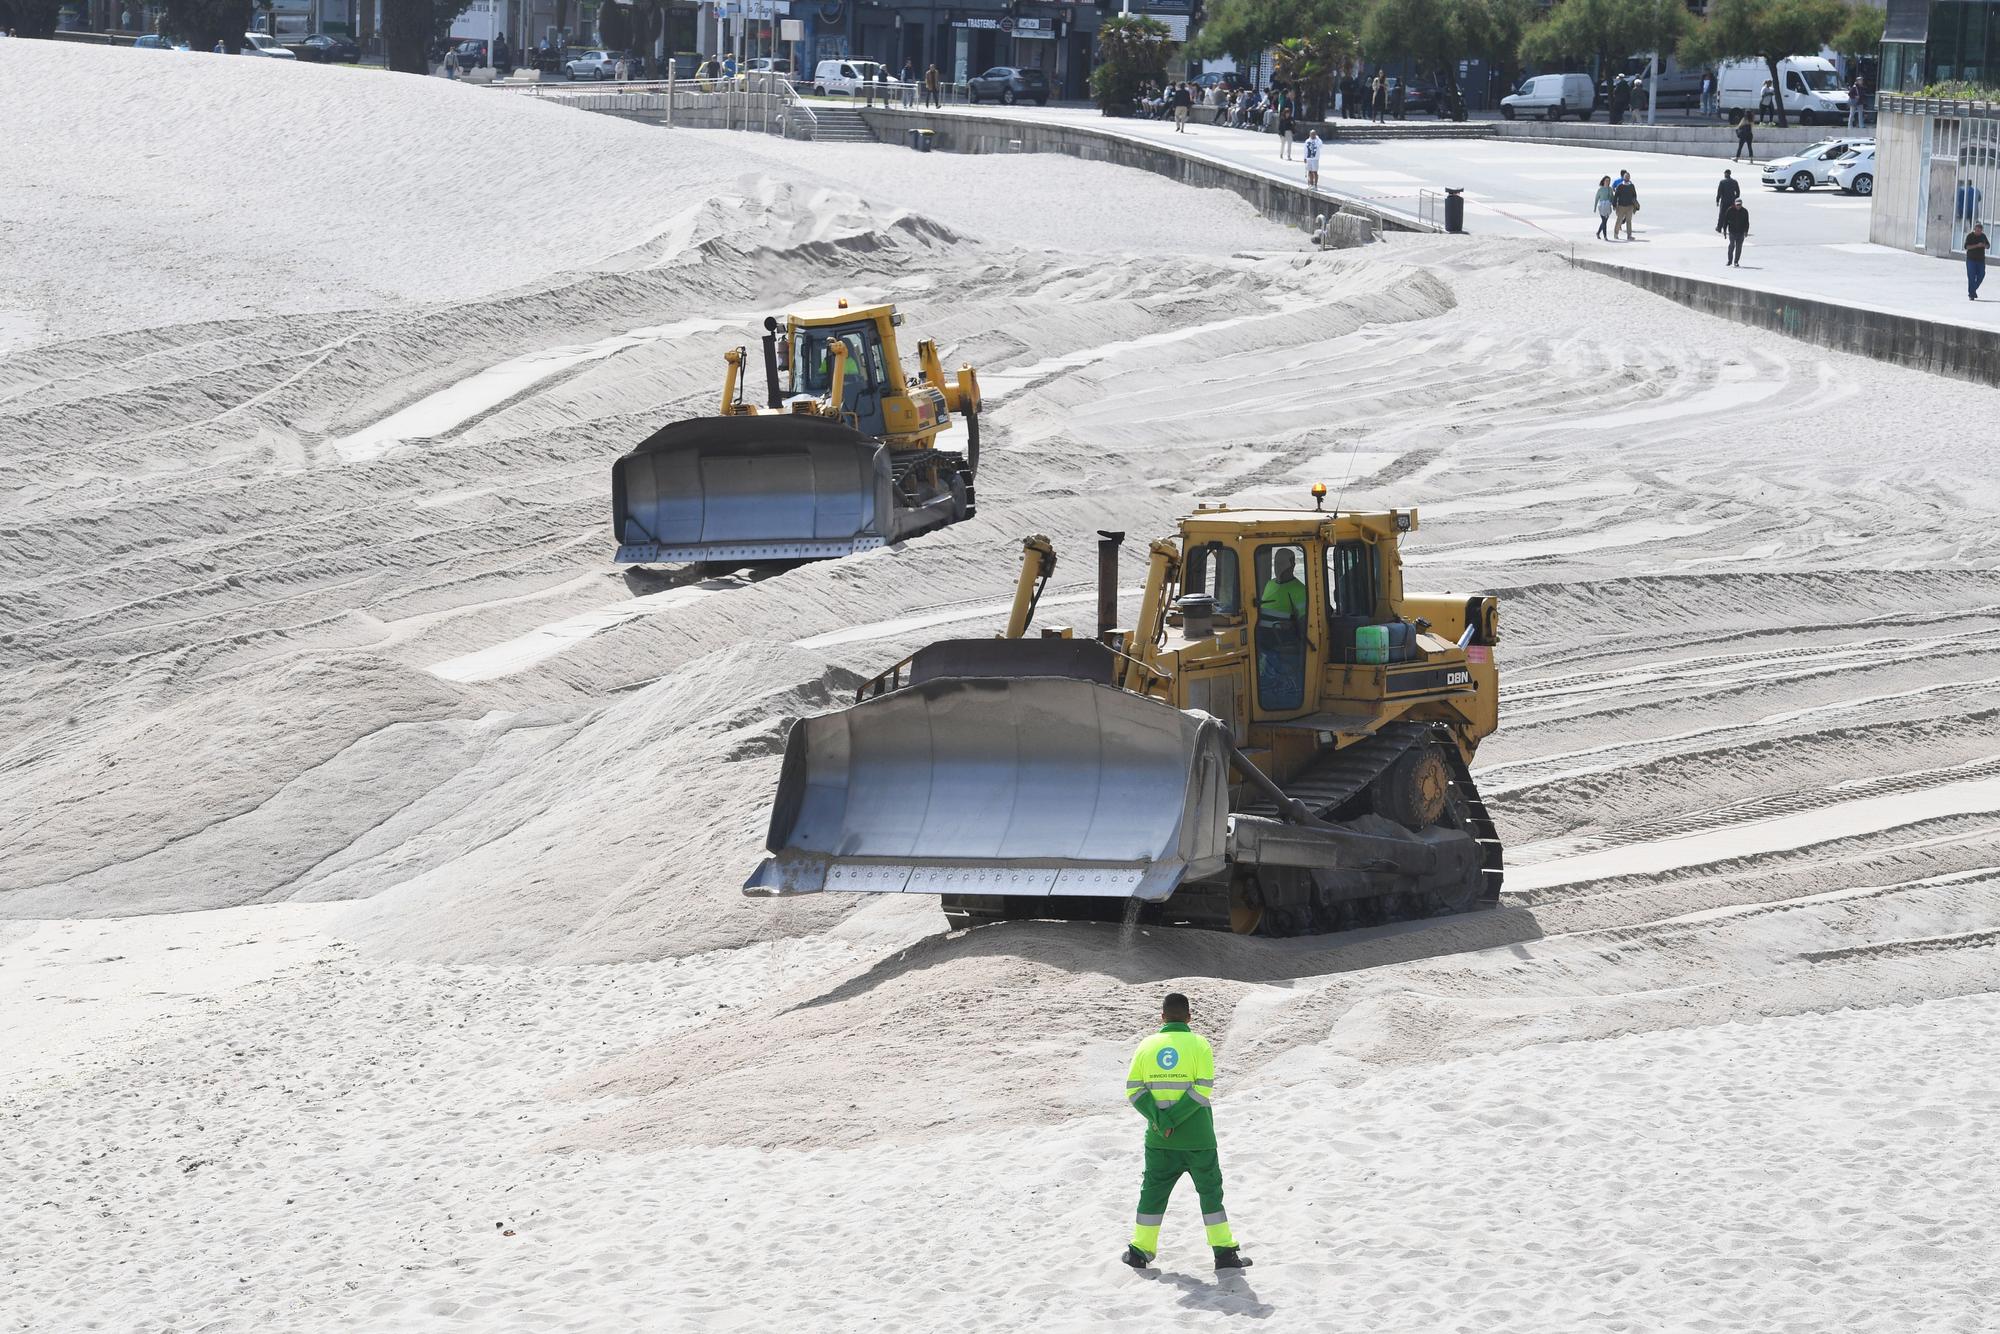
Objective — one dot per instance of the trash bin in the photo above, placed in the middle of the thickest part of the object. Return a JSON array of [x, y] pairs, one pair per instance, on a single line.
[[1454, 210], [921, 140]]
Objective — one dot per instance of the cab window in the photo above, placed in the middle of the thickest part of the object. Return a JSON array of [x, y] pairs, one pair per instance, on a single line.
[[814, 361], [1212, 569], [1350, 574], [1283, 604]]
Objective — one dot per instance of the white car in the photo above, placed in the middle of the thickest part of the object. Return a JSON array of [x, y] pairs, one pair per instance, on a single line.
[[263, 44], [1553, 95], [1855, 173], [1812, 166], [593, 65]]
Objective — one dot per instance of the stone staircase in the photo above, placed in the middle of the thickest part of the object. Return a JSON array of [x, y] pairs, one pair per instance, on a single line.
[[841, 125]]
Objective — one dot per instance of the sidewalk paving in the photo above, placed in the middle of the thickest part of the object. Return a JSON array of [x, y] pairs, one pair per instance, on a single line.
[[1811, 246]]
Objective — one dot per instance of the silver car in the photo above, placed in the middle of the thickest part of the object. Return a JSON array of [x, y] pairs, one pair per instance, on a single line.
[[593, 65]]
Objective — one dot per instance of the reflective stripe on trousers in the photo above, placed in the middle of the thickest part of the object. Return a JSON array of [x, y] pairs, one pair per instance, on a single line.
[[1164, 1168]]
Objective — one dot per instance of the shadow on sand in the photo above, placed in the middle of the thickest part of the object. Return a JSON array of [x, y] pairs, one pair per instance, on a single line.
[[1145, 954], [1230, 1295]]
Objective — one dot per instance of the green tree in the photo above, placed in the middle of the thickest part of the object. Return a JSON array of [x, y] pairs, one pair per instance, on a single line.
[[1132, 52], [410, 26], [1310, 65], [1507, 21], [1435, 35], [1245, 28], [203, 23], [1861, 33], [30, 18], [1767, 29]]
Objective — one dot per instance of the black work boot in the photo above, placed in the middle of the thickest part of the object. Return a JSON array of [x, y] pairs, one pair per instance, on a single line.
[[1227, 1258], [1138, 1259]]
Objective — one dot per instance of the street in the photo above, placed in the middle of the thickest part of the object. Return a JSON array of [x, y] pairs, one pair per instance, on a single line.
[[1812, 245]]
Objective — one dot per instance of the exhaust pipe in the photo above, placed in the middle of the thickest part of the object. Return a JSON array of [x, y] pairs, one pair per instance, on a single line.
[[1107, 583], [774, 398]]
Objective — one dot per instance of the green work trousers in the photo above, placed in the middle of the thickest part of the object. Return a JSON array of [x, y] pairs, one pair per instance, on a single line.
[[1163, 1170]]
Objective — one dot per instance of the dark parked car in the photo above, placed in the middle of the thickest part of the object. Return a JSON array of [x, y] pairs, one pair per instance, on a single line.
[[325, 48], [1419, 98], [1008, 85]]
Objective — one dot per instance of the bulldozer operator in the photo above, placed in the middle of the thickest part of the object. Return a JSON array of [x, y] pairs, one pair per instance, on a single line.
[[819, 364], [1281, 629]]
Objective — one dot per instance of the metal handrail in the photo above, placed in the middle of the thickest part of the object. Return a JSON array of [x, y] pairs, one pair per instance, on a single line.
[[740, 102]]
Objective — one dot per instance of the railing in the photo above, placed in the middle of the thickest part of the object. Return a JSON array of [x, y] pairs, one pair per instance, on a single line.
[[763, 103], [1430, 209]]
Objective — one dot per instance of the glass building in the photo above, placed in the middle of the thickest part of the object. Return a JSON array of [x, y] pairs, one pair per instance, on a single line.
[[1939, 41]]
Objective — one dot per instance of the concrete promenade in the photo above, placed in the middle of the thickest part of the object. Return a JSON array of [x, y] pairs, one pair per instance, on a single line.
[[1812, 248]]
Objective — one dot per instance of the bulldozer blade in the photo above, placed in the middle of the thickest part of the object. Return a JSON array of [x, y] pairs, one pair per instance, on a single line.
[[753, 488], [1029, 786]]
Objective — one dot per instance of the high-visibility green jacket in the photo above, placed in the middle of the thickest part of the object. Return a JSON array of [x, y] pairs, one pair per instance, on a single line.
[[1172, 1082], [1283, 598]]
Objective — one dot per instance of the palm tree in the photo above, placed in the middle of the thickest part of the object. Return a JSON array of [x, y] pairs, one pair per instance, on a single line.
[[1309, 65]]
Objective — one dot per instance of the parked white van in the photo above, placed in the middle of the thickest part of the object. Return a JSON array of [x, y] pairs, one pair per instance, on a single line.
[[847, 76], [1812, 88], [1553, 96]]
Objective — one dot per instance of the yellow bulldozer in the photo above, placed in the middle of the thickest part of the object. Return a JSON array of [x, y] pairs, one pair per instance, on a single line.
[[842, 456], [1281, 745]]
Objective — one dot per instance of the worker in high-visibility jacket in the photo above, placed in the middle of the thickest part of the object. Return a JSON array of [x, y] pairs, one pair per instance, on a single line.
[[1172, 1082]]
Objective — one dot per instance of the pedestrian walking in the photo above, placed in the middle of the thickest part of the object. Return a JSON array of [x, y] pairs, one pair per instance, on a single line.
[[1975, 259], [1171, 1082], [1287, 125], [909, 82], [1854, 92], [1736, 225], [1603, 206], [1767, 104], [451, 62], [1379, 98], [931, 86], [1744, 147], [1183, 101], [1312, 160], [1624, 204], [1707, 94], [1727, 192]]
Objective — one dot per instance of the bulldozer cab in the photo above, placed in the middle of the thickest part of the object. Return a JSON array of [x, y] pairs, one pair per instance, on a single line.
[[865, 371]]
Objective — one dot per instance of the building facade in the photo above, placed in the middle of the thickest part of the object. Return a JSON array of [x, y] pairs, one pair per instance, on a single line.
[[1940, 41]]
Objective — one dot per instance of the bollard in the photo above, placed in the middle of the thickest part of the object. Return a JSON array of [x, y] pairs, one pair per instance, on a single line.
[[1454, 210]]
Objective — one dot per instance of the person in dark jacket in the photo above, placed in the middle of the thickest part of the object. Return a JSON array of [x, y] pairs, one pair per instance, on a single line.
[[1727, 192], [1736, 225], [1744, 148], [1624, 203], [1975, 260]]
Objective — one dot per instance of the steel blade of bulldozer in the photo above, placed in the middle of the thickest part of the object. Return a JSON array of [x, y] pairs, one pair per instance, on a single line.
[[752, 488], [1027, 786]]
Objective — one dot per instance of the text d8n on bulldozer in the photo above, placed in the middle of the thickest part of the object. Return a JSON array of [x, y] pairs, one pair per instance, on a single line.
[[1281, 745]]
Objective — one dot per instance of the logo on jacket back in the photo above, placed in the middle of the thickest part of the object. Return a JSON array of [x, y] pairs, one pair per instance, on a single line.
[[1166, 1058]]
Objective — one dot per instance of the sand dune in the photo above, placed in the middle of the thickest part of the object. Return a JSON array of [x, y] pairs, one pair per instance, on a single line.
[[371, 950]]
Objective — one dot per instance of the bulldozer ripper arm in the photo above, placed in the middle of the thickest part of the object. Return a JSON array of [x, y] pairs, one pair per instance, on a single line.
[[837, 390], [1163, 573], [732, 379], [961, 394], [1038, 562]]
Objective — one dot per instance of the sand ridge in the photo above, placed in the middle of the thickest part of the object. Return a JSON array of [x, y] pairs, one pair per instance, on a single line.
[[460, 1019]]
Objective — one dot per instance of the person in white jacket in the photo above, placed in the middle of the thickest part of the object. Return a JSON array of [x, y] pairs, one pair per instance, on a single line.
[[1312, 160]]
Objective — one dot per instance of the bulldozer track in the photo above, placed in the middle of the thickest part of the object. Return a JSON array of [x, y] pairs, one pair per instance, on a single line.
[[1332, 780]]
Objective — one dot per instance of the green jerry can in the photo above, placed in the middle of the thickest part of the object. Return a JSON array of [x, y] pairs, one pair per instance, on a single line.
[[1371, 645]]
